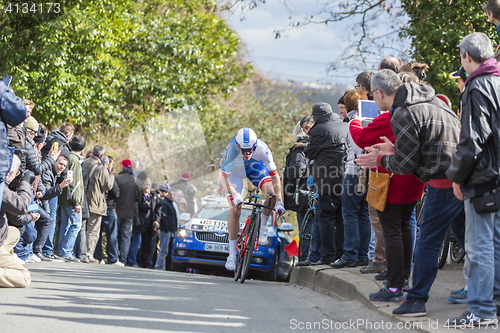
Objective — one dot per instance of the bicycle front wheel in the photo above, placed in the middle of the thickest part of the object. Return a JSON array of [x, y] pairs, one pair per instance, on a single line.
[[241, 253], [306, 236], [250, 246]]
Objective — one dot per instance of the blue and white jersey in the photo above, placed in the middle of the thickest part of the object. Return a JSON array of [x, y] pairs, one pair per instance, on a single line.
[[232, 159]]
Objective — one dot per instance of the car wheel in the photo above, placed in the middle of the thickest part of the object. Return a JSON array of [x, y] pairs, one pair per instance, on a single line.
[[273, 274]]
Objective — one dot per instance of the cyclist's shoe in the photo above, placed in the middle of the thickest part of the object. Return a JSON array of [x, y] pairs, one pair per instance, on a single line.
[[231, 263], [263, 237], [458, 296]]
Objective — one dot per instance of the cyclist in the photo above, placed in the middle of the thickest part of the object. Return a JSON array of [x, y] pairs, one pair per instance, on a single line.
[[248, 157]]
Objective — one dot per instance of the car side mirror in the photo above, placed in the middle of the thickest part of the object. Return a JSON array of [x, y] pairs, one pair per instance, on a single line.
[[285, 227], [185, 217]]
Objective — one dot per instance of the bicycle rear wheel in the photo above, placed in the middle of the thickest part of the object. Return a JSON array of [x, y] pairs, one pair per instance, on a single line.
[[250, 246], [457, 254], [443, 251], [306, 240], [241, 253]]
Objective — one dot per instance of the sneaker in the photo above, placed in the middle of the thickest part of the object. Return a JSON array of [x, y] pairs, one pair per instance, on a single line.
[[469, 319], [317, 263], [231, 263], [411, 309], [33, 258], [406, 286], [263, 237], [304, 263], [55, 258], [381, 276], [17, 259], [70, 258], [385, 295], [42, 257], [341, 263], [373, 267], [363, 262], [102, 262], [458, 296], [118, 263]]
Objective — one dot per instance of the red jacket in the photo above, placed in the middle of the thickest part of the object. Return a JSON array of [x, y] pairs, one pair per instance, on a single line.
[[402, 189]]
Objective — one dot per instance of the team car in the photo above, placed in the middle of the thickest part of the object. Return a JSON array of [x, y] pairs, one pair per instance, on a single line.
[[204, 241]]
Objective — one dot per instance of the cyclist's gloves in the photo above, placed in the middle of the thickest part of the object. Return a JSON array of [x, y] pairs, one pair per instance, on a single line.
[[237, 199], [279, 208]]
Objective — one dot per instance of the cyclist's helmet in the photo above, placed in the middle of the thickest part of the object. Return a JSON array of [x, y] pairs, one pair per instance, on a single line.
[[246, 140]]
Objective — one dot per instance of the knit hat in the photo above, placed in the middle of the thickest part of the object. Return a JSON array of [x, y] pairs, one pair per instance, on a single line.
[[341, 99], [40, 135], [164, 187], [321, 109], [31, 124], [126, 164], [186, 177], [461, 73], [77, 143]]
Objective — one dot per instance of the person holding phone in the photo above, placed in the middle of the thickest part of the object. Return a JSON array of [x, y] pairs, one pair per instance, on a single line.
[[71, 201]]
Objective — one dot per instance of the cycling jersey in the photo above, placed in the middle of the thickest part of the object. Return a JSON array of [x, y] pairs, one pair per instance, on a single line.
[[258, 169]]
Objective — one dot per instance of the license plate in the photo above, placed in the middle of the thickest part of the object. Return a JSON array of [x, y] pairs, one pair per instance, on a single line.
[[217, 248]]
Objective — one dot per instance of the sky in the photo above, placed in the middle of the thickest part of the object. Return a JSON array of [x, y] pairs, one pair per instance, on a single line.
[[302, 54]]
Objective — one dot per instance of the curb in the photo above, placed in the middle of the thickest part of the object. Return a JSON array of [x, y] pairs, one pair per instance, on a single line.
[[347, 285]]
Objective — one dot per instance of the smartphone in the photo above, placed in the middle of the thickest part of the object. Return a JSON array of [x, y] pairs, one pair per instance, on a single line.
[[70, 173], [7, 79], [55, 146]]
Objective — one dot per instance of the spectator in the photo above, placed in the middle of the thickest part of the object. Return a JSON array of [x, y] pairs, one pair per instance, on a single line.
[[167, 225], [143, 210], [190, 196], [12, 113], [363, 84], [110, 223], [474, 172], [130, 193], [62, 137], [326, 147], [296, 174], [492, 8], [12, 274], [100, 181], [71, 201], [182, 182], [357, 230], [180, 201], [149, 236], [391, 63], [425, 151], [342, 109], [33, 158], [17, 134]]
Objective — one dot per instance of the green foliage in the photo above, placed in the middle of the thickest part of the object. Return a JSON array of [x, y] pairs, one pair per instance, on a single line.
[[109, 61], [436, 28]]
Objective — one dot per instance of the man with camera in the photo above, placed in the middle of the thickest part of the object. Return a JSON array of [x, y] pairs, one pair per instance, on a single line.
[[13, 274]]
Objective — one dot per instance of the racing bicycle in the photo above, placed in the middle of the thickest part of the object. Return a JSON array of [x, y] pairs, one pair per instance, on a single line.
[[248, 240]]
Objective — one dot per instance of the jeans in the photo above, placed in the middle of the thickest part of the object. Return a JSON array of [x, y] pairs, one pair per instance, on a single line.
[[80, 249], [395, 221], [331, 227], [110, 224], [315, 252], [482, 245], [70, 224], [357, 228], [413, 223], [125, 227], [164, 242], [28, 237], [43, 226], [371, 251], [134, 247], [49, 243], [300, 219], [441, 208]]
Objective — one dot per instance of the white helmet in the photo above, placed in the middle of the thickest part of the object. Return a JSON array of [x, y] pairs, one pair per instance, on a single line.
[[246, 138]]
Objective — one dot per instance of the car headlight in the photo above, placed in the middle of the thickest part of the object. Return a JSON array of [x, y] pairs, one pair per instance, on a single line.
[[183, 233], [268, 242]]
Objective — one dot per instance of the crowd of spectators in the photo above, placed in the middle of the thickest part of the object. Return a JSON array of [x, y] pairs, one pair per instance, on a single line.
[[57, 204], [416, 143]]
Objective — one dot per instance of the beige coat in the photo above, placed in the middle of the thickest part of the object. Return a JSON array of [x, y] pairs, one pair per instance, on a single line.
[[99, 182]]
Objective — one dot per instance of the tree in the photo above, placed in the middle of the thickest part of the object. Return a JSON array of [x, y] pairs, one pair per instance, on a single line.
[[436, 28], [110, 61]]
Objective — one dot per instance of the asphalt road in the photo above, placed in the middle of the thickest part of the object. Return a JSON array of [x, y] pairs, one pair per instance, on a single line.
[[68, 297]]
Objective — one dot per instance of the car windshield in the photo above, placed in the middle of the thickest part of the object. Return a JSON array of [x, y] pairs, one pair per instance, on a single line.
[[221, 213]]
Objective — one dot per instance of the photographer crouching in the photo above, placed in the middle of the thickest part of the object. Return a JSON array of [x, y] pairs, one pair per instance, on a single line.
[[13, 274]]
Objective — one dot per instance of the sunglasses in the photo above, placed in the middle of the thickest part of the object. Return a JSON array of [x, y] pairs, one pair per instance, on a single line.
[[246, 151]]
